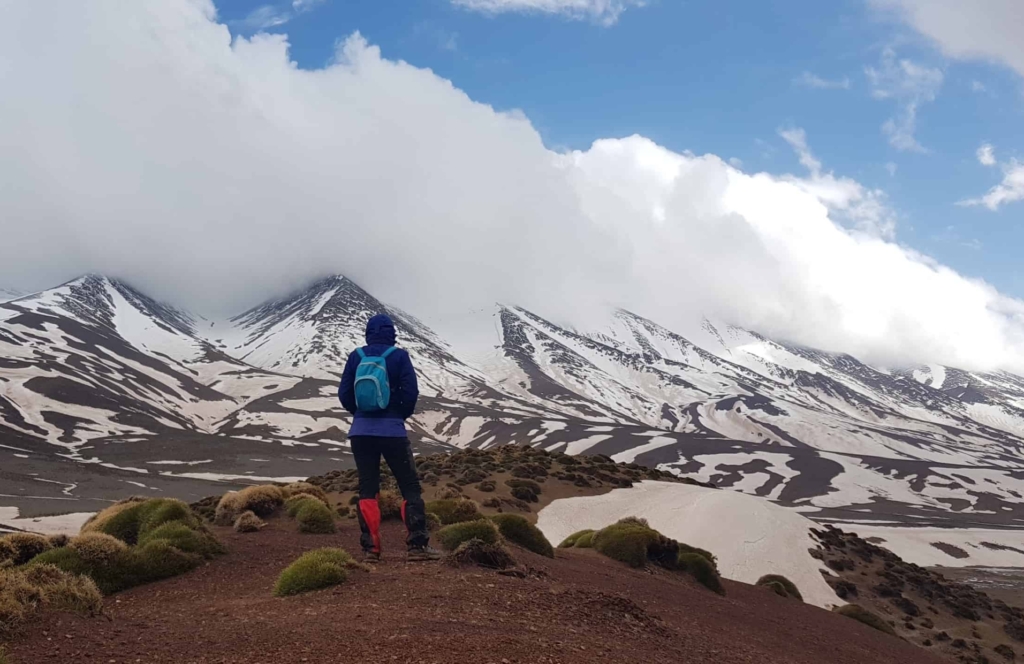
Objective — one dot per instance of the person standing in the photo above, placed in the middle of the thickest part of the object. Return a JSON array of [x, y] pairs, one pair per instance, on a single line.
[[379, 388]]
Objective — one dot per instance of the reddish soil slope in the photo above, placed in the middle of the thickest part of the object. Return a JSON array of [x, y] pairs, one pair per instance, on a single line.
[[579, 607]]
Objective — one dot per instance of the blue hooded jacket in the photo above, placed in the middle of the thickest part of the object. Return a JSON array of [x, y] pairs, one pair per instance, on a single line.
[[389, 423]]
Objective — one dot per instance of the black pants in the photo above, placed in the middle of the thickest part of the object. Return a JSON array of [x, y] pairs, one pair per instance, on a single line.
[[397, 452]]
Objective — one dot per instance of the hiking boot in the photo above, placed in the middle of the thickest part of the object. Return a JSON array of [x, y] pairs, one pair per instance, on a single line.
[[371, 557], [422, 553]]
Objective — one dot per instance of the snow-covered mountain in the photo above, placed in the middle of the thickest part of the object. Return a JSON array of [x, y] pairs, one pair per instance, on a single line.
[[8, 294], [96, 372]]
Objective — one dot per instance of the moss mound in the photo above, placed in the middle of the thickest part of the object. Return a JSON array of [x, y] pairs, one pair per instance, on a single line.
[[518, 530], [454, 510], [450, 537], [248, 522], [313, 570], [776, 582], [686, 548], [292, 505], [19, 548], [480, 553], [132, 519], [262, 500], [585, 541], [28, 589], [135, 542], [635, 543], [870, 619], [315, 518], [703, 570], [571, 540]]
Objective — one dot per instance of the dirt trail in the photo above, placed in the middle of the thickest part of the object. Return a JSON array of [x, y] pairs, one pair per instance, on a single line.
[[577, 608]]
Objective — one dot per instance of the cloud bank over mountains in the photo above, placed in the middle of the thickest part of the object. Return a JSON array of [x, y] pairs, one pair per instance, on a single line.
[[142, 141]]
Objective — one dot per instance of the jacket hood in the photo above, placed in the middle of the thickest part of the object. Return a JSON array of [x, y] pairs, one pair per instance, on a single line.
[[380, 330]]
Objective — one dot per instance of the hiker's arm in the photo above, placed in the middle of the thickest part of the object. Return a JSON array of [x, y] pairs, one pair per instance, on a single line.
[[407, 387], [346, 390]]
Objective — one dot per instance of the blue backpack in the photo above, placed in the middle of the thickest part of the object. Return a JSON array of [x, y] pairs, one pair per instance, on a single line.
[[373, 392]]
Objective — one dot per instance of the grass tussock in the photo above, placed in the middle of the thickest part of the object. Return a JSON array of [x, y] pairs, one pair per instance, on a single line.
[[292, 505], [130, 520], [136, 542], [315, 518], [454, 510], [860, 614], [635, 543], [571, 540], [19, 548], [451, 536], [320, 568], [25, 590], [262, 500], [480, 553], [702, 570], [585, 541], [304, 489], [517, 530], [686, 548], [390, 503], [248, 522], [780, 585]]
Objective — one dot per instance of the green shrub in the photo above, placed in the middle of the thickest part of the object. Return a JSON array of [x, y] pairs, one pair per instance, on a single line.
[[292, 505], [870, 619], [774, 581], [585, 541], [570, 541], [701, 569], [518, 530], [524, 494], [313, 570], [19, 548], [315, 517], [454, 510], [190, 540], [129, 520], [633, 542], [158, 559], [449, 492], [686, 548], [450, 537], [483, 554], [486, 486]]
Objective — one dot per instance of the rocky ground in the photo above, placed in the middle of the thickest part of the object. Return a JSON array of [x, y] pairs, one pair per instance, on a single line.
[[954, 619]]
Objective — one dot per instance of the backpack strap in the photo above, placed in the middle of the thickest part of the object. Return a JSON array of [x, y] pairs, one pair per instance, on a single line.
[[388, 352], [362, 355]]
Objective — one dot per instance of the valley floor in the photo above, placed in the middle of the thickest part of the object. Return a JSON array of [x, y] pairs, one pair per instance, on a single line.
[[579, 607]]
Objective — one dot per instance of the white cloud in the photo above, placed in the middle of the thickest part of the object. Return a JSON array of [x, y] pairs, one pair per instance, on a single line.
[[978, 86], [986, 155], [214, 173], [1010, 190], [986, 30], [807, 79], [863, 209], [891, 168], [263, 17], [306, 5], [606, 12], [909, 85]]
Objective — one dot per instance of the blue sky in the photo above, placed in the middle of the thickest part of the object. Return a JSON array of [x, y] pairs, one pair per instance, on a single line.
[[722, 78]]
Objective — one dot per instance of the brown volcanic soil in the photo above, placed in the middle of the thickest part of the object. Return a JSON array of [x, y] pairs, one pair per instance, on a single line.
[[579, 607]]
